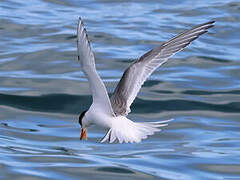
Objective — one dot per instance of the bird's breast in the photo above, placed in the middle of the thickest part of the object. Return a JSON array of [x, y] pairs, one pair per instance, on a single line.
[[98, 117]]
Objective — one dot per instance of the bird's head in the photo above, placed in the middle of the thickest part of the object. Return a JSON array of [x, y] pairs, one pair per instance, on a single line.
[[83, 123]]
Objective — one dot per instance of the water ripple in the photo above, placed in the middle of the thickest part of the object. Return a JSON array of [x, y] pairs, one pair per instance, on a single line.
[[42, 90]]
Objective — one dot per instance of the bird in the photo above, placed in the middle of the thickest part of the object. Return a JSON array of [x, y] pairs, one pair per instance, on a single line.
[[111, 112]]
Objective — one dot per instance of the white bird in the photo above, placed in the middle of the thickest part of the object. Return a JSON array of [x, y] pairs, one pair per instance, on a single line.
[[111, 113]]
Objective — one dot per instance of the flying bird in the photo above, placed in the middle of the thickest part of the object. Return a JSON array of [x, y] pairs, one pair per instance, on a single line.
[[111, 113]]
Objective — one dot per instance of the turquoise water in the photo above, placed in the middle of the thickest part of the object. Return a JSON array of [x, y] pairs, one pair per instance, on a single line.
[[42, 90]]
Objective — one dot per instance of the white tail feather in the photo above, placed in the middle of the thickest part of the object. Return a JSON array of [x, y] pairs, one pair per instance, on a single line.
[[125, 130]]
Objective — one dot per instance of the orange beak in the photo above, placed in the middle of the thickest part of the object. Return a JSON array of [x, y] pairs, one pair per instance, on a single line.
[[83, 134]]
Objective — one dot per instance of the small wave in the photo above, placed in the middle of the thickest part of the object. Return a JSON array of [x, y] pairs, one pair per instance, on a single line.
[[72, 104]]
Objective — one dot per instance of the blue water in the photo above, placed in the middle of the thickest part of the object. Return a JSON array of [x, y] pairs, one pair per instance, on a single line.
[[42, 90]]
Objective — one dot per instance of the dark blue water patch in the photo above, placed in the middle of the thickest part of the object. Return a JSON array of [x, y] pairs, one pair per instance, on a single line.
[[72, 104], [143, 106], [164, 91], [214, 59], [195, 92], [7, 126], [71, 37], [150, 83], [115, 170], [48, 103]]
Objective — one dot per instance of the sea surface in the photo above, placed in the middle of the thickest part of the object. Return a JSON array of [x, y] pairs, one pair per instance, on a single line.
[[43, 91]]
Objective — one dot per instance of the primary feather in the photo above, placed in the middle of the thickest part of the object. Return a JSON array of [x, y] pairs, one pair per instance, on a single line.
[[87, 61], [137, 73]]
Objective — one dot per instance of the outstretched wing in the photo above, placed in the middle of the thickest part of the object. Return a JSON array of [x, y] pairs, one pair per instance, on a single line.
[[136, 74], [86, 58]]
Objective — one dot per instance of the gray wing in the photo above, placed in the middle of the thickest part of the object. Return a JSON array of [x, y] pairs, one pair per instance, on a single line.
[[136, 74], [87, 61]]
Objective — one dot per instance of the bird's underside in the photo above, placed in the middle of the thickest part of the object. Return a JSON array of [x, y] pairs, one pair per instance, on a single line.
[[118, 106]]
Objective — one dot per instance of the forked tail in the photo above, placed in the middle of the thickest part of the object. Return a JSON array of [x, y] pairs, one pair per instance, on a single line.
[[125, 130]]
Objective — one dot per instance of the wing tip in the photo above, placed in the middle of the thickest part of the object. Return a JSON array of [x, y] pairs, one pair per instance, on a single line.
[[209, 24], [212, 22], [80, 23]]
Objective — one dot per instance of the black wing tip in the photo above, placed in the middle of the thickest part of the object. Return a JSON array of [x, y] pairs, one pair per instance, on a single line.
[[80, 21], [210, 24]]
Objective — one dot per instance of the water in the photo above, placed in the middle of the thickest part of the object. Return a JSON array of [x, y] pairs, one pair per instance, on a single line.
[[42, 90]]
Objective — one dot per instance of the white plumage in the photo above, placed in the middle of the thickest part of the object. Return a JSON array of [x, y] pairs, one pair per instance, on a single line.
[[111, 113]]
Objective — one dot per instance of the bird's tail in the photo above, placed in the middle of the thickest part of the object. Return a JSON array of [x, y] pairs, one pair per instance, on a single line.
[[125, 130]]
